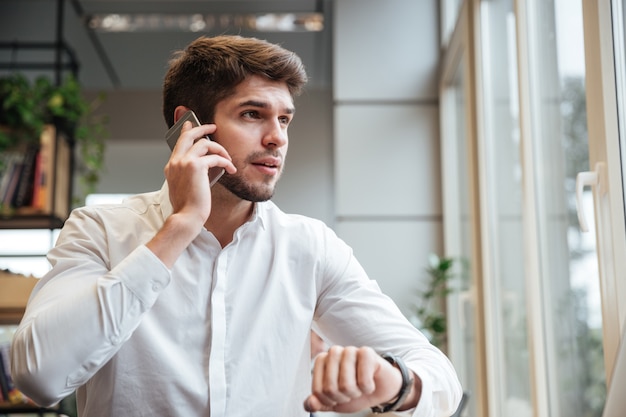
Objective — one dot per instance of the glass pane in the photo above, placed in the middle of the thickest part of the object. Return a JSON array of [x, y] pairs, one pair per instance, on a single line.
[[461, 298], [619, 42], [569, 270], [450, 10], [36, 266], [24, 251], [504, 212], [32, 242]]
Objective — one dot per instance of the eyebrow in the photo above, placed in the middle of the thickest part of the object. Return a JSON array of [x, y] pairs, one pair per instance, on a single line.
[[264, 105]]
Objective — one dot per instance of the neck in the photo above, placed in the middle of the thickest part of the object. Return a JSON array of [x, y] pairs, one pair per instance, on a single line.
[[228, 213]]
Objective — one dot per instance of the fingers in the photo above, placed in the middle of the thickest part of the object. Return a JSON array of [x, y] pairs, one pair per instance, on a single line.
[[193, 144], [343, 379], [188, 168], [334, 380], [213, 154], [190, 135], [196, 138]]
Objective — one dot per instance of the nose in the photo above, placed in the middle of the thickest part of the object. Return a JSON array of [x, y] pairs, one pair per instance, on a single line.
[[276, 135]]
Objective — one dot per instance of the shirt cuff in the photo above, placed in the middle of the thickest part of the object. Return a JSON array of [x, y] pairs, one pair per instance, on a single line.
[[144, 274], [425, 404]]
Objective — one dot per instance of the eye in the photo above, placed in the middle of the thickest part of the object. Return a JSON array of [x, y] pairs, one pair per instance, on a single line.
[[284, 120], [250, 114]]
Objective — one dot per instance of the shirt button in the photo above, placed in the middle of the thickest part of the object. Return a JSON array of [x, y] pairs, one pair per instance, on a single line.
[[156, 287]]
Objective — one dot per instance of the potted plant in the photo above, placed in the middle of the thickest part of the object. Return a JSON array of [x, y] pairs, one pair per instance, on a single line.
[[430, 313], [26, 107]]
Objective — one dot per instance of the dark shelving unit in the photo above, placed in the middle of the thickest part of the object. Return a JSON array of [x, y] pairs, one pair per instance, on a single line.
[[60, 60]]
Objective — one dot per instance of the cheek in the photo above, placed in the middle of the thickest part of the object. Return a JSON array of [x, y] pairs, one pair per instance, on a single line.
[[239, 161], [235, 148]]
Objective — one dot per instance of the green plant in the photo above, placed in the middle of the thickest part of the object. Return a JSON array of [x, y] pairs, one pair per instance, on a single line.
[[27, 106], [430, 315]]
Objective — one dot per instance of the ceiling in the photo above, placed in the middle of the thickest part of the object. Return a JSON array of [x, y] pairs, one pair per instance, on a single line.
[[137, 60]]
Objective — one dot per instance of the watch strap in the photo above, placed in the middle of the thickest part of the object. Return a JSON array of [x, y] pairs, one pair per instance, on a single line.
[[405, 389]]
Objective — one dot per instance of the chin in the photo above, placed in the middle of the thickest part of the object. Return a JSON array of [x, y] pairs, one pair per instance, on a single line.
[[246, 190]]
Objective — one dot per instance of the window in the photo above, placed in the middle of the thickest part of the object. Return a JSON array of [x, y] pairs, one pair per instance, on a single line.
[[542, 319], [24, 251]]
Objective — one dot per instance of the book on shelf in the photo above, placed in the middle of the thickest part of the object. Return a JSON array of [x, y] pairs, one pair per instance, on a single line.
[[36, 178], [12, 163], [4, 385], [9, 391], [23, 195]]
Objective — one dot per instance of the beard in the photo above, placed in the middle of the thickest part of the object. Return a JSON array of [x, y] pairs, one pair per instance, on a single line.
[[248, 191]]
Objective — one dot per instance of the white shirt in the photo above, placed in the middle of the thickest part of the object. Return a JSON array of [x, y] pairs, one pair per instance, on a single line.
[[224, 333]]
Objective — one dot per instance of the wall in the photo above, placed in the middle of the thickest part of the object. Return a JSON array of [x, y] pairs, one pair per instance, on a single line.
[[386, 139]]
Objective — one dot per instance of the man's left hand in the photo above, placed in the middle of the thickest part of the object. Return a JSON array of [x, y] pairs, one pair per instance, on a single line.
[[350, 379]]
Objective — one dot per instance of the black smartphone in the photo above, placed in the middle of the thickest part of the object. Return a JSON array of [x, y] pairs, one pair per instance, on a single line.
[[173, 133]]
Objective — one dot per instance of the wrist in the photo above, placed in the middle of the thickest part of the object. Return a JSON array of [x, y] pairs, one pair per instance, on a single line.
[[405, 389], [186, 223], [172, 239]]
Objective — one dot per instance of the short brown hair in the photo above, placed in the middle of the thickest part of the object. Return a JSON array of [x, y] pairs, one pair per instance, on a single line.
[[209, 69]]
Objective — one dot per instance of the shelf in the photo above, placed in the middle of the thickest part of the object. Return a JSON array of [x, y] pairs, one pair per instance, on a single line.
[[70, 63], [8, 408], [31, 221]]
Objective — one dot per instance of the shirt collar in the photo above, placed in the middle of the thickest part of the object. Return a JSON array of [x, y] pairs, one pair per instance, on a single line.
[[259, 214]]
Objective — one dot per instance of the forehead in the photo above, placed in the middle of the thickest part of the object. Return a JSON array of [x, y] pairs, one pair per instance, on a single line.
[[260, 88]]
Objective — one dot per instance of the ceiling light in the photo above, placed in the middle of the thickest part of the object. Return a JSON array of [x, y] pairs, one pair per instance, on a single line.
[[155, 22]]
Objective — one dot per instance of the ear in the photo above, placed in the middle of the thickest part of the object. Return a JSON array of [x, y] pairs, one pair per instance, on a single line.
[[179, 111]]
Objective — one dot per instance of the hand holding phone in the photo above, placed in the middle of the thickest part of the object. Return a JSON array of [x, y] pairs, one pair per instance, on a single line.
[[172, 135]]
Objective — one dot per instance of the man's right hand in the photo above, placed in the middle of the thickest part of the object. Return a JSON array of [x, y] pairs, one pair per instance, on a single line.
[[189, 190], [187, 171]]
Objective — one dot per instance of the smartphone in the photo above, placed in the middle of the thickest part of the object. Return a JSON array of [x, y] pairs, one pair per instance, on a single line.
[[215, 173]]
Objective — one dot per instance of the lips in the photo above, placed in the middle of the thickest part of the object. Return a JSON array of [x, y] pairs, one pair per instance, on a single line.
[[267, 162], [268, 165]]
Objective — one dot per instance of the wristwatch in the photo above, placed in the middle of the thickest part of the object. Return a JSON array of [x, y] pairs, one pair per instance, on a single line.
[[405, 389]]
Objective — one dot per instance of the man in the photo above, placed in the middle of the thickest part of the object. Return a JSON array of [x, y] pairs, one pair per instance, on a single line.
[[199, 300]]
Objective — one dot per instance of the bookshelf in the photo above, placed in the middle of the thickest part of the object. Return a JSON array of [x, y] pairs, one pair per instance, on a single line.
[[54, 57], [53, 205], [45, 176]]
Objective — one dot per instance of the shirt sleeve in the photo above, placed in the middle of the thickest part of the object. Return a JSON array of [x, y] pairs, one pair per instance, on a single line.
[[82, 311], [352, 310]]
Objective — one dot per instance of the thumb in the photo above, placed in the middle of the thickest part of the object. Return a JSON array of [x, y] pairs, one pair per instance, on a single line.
[[312, 404]]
